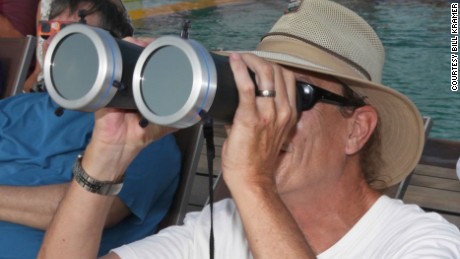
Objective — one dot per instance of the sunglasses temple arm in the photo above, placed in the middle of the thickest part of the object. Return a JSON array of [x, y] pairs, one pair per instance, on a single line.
[[332, 98]]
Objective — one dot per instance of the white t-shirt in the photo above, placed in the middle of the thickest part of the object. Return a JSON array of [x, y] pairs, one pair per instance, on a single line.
[[390, 229]]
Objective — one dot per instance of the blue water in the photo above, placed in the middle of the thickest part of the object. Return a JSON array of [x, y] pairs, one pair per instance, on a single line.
[[415, 33]]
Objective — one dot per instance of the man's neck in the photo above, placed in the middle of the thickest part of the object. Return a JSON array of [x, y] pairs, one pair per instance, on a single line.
[[326, 213]]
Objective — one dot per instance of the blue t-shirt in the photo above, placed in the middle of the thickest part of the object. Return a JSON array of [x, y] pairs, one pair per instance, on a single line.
[[39, 148]]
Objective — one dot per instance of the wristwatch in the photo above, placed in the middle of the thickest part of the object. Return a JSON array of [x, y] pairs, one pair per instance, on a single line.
[[93, 185]]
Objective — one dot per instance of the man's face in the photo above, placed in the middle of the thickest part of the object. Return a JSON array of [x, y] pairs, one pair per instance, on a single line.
[[67, 18], [315, 151]]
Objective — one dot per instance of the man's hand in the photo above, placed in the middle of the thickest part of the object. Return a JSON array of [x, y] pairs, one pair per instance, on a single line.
[[250, 155], [261, 124]]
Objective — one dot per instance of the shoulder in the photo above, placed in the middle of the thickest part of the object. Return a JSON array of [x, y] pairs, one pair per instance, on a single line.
[[23, 96], [229, 236], [41, 107], [392, 229], [413, 230], [41, 103], [226, 219], [222, 210], [396, 212]]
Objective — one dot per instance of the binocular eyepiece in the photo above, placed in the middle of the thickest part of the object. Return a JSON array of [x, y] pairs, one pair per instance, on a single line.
[[170, 82]]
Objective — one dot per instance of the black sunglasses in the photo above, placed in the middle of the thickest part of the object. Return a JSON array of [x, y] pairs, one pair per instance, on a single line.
[[309, 95]]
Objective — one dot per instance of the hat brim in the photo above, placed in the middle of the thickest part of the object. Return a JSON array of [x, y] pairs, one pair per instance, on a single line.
[[402, 130]]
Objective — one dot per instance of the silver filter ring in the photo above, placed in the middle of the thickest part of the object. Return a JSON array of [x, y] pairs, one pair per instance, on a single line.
[[174, 79], [87, 58]]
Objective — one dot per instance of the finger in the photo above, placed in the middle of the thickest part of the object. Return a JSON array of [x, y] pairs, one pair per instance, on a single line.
[[291, 90], [244, 84], [281, 109], [264, 72], [281, 100], [287, 105]]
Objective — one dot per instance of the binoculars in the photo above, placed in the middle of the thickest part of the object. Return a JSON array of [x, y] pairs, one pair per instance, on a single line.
[[170, 82]]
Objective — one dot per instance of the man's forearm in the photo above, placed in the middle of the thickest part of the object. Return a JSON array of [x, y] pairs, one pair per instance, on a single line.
[[76, 229], [77, 226], [35, 206]]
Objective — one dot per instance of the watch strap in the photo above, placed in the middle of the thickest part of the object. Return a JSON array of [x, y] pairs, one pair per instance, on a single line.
[[93, 185]]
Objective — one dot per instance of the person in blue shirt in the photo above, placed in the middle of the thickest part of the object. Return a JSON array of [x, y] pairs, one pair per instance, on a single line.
[[38, 150]]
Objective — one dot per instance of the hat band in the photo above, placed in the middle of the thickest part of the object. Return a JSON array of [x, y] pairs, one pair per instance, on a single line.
[[312, 52]]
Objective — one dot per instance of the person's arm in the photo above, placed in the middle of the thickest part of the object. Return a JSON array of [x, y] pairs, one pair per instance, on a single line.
[[260, 127], [76, 229], [7, 29], [35, 206]]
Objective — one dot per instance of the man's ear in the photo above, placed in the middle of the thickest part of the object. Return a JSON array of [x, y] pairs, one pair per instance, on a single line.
[[362, 125]]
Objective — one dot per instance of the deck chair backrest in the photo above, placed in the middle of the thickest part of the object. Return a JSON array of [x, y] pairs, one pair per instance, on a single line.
[[190, 142], [15, 57]]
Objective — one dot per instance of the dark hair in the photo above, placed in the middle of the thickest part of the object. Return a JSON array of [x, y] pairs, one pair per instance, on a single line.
[[112, 13], [370, 155]]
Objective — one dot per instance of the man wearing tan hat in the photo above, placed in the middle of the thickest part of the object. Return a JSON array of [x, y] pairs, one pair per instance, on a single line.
[[303, 185]]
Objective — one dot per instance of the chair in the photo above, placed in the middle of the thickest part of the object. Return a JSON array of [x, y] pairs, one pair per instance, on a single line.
[[190, 140], [15, 57]]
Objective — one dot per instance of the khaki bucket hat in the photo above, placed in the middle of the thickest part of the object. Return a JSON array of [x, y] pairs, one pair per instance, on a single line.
[[324, 37]]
